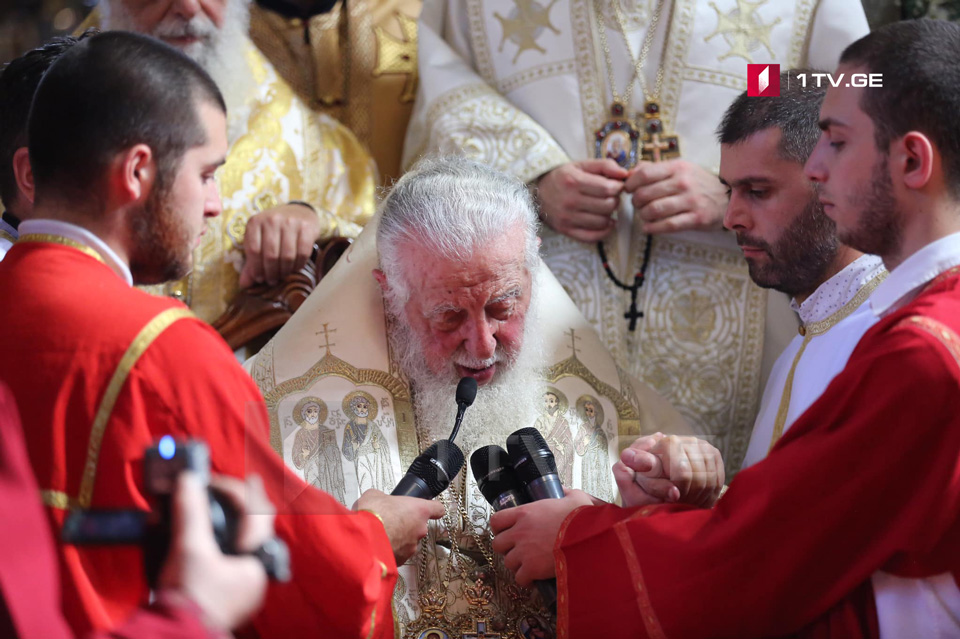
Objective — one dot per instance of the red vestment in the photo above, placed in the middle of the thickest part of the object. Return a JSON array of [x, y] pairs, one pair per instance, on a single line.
[[867, 479], [67, 321], [29, 583]]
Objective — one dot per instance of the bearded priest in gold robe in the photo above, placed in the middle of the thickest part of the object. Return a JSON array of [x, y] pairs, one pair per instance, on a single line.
[[608, 107], [292, 176], [449, 284]]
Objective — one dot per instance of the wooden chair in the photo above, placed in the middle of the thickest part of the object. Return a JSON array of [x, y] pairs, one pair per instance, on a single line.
[[259, 311]]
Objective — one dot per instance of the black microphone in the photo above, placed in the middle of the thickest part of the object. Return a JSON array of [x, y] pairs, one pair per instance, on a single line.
[[496, 478], [536, 468], [537, 472], [466, 393], [432, 471]]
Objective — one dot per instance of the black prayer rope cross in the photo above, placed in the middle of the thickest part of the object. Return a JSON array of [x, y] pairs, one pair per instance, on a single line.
[[632, 314]]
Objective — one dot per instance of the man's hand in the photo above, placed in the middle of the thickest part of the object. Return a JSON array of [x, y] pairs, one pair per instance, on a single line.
[[578, 199], [228, 589], [676, 195], [660, 469], [404, 518], [525, 535], [278, 242]]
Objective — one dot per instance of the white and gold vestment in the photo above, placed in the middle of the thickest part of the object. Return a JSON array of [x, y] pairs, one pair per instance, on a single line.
[[522, 85], [334, 354]]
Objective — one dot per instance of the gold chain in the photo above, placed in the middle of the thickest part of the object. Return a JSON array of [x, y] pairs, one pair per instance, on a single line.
[[638, 63]]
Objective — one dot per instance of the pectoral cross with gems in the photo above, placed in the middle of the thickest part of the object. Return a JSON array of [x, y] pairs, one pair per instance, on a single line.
[[481, 632], [653, 147]]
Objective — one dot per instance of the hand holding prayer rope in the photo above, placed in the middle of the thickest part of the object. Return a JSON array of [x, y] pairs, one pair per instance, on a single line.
[[578, 199], [660, 469], [676, 195]]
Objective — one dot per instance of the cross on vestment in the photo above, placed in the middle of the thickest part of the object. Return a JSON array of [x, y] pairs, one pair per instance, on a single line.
[[326, 337], [481, 632], [573, 341], [653, 147]]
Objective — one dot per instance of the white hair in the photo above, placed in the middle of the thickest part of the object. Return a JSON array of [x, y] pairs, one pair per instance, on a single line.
[[220, 51], [452, 206]]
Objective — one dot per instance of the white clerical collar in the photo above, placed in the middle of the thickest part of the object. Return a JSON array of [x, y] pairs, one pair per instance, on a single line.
[[82, 235], [834, 294], [906, 280]]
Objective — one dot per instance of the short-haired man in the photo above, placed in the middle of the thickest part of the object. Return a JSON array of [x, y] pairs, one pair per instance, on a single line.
[[18, 82], [460, 291], [790, 245], [125, 136], [292, 176], [849, 528]]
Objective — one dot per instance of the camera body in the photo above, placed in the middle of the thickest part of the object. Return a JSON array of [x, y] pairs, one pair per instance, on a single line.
[[162, 464]]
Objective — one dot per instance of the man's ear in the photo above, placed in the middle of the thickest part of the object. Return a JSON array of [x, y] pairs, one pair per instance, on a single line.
[[915, 156], [381, 278], [135, 173], [23, 173]]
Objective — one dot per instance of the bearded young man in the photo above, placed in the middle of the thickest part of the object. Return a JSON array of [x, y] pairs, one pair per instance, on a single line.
[[125, 136], [292, 176], [460, 290], [849, 527], [790, 245]]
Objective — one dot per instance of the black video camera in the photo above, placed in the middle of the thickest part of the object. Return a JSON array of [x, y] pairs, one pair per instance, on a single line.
[[162, 464]]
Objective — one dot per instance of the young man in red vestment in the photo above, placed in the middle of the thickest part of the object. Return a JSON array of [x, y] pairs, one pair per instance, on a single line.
[[851, 526], [125, 135]]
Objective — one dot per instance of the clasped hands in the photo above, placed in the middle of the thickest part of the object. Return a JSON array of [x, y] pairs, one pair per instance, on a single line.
[[655, 469], [578, 199]]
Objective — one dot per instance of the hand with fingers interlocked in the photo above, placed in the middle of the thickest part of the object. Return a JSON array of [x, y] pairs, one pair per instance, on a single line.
[[660, 468], [676, 195]]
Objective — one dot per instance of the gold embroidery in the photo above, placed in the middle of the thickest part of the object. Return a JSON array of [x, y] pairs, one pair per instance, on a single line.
[[800, 40], [714, 76], [809, 331], [650, 621], [524, 25], [6, 236], [533, 74], [63, 241], [57, 499], [939, 331], [140, 343], [742, 30], [399, 56]]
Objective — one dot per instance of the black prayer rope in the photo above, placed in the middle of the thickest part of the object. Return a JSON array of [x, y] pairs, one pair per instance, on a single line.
[[632, 313]]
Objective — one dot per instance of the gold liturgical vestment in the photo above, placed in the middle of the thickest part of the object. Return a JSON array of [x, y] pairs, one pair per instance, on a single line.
[[280, 150], [341, 413], [523, 85], [358, 66]]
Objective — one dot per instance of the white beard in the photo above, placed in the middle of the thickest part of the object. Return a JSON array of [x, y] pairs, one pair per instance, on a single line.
[[221, 52], [509, 402]]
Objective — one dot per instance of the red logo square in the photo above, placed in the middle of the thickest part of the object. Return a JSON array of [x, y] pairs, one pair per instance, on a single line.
[[763, 80]]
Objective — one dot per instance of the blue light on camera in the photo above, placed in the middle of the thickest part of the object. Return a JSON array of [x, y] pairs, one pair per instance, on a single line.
[[167, 447]]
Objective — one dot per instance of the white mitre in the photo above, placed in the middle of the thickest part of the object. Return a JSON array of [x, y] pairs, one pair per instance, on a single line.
[[336, 343], [335, 350]]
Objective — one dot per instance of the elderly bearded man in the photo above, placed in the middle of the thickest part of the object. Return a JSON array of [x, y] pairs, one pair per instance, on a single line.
[[460, 291], [292, 176]]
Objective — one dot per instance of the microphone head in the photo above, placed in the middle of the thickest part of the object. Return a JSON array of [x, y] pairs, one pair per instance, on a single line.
[[493, 471], [466, 391], [438, 465], [530, 454]]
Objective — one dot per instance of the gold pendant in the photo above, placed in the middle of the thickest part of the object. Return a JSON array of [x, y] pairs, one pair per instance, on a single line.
[[657, 148], [618, 139]]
